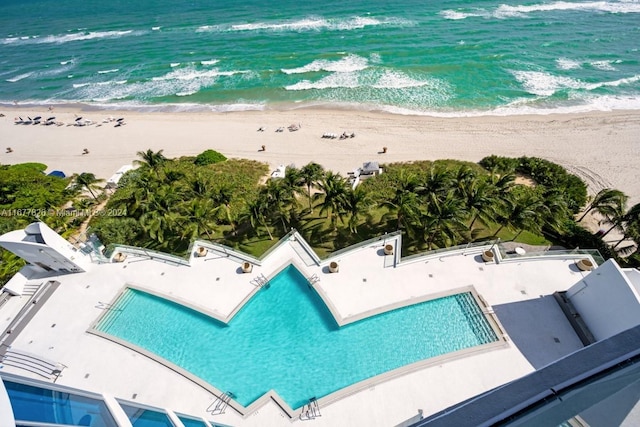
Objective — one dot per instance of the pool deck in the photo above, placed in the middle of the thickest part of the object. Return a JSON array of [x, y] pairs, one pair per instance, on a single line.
[[517, 293]]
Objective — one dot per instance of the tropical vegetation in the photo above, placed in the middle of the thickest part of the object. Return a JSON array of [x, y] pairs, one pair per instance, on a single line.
[[165, 204]]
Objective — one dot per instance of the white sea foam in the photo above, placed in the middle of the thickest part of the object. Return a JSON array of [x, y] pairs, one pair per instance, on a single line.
[[603, 65], [332, 81], [505, 11], [113, 70], [600, 6], [545, 84], [191, 73], [310, 23], [65, 38], [620, 82], [567, 64], [210, 62], [375, 58], [182, 81], [191, 92], [389, 80], [397, 80], [19, 77], [155, 28], [456, 15], [211, 29], [21, 39], [298, 25], [347, 64], [174, 64]]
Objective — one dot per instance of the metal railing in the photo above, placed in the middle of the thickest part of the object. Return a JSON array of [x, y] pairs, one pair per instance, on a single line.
[[451, 249], [593, 253], [145, 253], [363, 244]]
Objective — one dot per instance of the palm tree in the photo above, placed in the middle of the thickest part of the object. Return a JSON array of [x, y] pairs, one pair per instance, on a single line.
[[292, 178], [631, 224], [334, 192], [606, 202], [358, 201], [200, 187], [256, 212], [406, 206], [524, 212], [309, 175], [463, 176], [222, 204], [478, 198], [159, 217], [556, 210], [443, 219], [616, 215], [280, 199], [89, 182], [501, 183], [404, 202], [196, 219], [438, 181], [632, 231], [152, 160]]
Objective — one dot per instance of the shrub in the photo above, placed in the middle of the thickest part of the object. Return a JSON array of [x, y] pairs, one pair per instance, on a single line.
[[501, 165], [209, 157]]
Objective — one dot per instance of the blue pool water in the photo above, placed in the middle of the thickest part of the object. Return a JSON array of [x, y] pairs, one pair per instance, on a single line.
[[286, 339]]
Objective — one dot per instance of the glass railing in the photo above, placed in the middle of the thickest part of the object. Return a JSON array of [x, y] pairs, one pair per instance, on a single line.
[[594, 253], [451, 249], [146, 253], [364, 243], [32, 404]]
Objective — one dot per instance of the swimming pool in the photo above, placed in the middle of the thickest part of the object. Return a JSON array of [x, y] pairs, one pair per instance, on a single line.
[[286, 339]]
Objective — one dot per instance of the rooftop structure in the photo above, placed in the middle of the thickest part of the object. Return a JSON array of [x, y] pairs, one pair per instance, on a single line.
[[367, 170], [113, 181], [49, 320], [279, 172]]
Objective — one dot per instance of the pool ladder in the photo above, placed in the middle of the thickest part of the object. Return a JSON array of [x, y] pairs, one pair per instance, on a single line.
[[311, 410], [260, 281], [220, 404], [313, 279]]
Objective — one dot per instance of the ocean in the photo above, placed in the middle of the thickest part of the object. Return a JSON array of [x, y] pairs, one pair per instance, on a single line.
[[444, 58]]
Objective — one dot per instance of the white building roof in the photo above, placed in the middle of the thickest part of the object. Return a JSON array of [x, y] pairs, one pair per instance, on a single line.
[[112, 182], [516, 291]]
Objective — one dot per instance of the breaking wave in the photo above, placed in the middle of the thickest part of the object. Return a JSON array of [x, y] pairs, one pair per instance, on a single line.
[[508, 11], [311, 23]]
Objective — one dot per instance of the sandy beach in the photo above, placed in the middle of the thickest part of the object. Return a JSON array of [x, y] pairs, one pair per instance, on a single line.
[[603, 148]]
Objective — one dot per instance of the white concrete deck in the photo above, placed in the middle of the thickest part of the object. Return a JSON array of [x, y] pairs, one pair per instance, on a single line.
[[517, 290]]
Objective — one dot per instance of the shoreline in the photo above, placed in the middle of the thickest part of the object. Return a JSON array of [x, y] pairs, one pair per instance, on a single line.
[[318, 105], [602, 148]]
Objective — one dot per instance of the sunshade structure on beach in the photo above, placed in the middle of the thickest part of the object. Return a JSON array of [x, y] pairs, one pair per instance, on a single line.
[[57, 173]]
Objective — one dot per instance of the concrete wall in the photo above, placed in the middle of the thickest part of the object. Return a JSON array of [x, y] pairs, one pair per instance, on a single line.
[[606, 300], [40, 245]]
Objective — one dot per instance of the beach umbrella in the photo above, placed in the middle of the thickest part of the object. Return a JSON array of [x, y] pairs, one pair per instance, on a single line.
[[59, 174]]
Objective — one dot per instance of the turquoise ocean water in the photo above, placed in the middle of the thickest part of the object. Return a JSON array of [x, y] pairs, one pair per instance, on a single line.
[[449, 57]]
